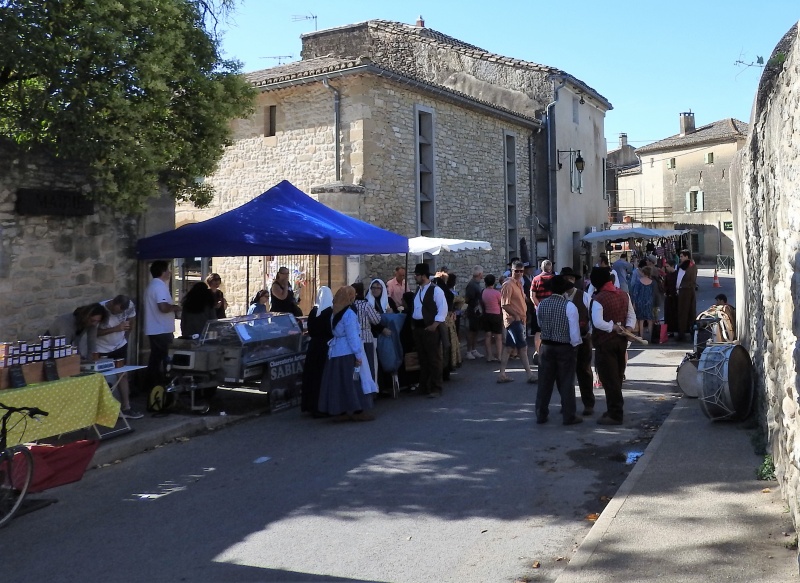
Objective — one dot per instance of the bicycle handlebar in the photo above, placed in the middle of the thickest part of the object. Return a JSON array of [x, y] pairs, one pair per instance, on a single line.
[[29, 411]]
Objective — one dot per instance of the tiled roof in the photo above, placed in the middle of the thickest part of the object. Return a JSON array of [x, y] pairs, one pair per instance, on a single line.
[[299, 70], [727, 129]]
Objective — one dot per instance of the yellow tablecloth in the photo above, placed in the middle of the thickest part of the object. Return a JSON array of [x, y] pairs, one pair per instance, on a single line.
[[73, 403]]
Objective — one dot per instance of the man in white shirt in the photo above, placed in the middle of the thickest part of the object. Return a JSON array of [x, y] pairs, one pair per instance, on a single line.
[[428, 313], [560, 330], [159, 320], [112, 342], [612, 312]]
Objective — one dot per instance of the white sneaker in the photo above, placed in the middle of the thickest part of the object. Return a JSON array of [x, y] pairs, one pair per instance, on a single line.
[[469, 355], [477, 354]]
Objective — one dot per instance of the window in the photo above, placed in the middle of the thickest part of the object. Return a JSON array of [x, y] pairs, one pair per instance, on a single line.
[[694, 201], [709, 157], [575, 110], [426, 194], [671, 163], [511, 192], [270, 120]]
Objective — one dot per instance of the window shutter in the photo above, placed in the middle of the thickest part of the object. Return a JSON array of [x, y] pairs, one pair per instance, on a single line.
[[700, 206], [688, 202]]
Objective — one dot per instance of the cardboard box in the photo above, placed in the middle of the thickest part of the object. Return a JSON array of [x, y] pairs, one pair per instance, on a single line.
[[34, 371]]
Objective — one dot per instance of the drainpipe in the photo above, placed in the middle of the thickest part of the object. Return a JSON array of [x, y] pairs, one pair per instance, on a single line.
[[551, 170], [336, 128]]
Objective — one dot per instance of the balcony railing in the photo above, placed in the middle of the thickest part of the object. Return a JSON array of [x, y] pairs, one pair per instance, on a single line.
[[640, 214]]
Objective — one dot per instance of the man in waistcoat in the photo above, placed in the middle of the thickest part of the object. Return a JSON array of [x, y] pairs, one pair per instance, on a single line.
[[583, 356], [611, 312], [558, 319], [429, 312], [687, 294]]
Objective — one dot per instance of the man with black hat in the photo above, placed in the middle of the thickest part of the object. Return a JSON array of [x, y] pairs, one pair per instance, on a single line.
[[611, 313], [428, 313], [583, 356], [558, 320]]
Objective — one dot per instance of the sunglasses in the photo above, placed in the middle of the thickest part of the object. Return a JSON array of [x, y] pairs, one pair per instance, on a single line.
[[519, 271]]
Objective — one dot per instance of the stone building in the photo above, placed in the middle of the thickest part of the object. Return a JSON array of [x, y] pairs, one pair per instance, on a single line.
[[766, 195], [688, 175], [422, 134], [618, 161]]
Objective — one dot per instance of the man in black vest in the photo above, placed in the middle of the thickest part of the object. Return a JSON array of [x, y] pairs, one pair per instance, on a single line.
[[583, 357], [429, 312], [558, 319]]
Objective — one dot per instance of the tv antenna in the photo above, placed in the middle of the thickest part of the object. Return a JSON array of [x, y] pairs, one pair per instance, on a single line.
[[309, 16], [280, 58]]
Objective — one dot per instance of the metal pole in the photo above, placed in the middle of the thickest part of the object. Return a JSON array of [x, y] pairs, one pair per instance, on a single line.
[[247, 285]]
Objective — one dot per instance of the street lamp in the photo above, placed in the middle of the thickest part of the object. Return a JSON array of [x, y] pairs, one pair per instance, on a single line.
[[576, 162]]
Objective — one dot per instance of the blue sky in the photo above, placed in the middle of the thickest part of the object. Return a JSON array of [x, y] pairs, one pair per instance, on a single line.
[[651, 60]]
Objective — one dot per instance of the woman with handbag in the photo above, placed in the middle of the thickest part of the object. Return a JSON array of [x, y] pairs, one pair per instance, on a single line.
[[341, 394]]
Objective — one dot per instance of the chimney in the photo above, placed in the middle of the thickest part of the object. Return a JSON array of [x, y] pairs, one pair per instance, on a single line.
[[420, 22], [623, 140], [687, 123]]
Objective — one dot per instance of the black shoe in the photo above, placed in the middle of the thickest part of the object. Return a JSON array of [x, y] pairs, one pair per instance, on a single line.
[[574, 421], [587, 411], [541, 420], [434, 394], [606, 420]]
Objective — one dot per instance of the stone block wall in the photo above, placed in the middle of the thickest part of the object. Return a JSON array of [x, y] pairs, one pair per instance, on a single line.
[[49, 265], [765, 197], [377, 153]]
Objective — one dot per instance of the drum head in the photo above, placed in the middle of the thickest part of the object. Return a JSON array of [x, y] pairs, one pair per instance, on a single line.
[[690, 381], [727, 382]]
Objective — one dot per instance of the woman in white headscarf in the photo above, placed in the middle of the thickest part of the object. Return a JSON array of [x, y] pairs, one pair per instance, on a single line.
[[319, 330], [379, 298]]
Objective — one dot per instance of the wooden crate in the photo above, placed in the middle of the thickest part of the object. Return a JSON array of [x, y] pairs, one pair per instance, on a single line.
[[34, 371]]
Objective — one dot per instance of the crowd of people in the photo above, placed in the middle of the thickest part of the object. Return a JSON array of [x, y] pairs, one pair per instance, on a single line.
[[564, 314]]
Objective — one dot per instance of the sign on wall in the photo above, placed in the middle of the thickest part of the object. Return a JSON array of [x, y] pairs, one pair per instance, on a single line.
[[63, 203], [727, 226]]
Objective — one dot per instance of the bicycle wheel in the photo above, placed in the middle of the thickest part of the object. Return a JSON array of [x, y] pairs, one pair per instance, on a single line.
[[16, 471]]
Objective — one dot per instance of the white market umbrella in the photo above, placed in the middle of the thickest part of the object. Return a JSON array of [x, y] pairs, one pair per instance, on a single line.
[[435, 245]]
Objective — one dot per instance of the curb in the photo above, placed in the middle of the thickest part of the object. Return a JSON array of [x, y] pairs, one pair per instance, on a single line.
[[589, 544], [135, 443]]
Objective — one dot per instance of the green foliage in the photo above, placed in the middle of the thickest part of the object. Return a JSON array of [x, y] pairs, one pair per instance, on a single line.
[[133, 92], [766, 471]]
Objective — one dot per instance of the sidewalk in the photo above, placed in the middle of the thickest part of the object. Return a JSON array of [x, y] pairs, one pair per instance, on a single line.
[[691, 510]]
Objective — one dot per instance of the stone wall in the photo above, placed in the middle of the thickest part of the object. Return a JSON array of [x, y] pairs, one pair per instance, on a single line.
[[766, 196], [419, 52], [49, 265], [377, 152]]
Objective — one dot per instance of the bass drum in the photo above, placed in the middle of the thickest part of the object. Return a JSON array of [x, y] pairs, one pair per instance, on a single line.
[[727, 382], [689, 378]]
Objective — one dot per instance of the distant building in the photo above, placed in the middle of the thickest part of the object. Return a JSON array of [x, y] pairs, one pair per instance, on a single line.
[[422, 134], [619, 160], [689, 174]]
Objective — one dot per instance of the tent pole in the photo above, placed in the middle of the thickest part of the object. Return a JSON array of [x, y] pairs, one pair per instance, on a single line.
[[405, 281], [329, 271], [247, 286]]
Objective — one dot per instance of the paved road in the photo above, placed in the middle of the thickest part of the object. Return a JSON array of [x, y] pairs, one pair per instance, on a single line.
[[462, 488]]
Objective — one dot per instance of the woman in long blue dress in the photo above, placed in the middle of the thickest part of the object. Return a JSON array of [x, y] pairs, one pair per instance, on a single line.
[[340, 395], [642, 294]]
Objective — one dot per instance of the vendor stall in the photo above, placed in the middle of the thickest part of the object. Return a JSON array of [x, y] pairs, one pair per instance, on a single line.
[[260, 351]]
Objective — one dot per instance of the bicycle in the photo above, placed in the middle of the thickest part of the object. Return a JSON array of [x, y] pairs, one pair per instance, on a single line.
[[16, 465]]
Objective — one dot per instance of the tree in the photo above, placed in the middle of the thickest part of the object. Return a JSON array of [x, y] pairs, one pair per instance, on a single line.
[[134, 92]]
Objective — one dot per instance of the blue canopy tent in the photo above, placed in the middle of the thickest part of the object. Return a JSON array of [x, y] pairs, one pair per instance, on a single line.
[[282, 221]]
